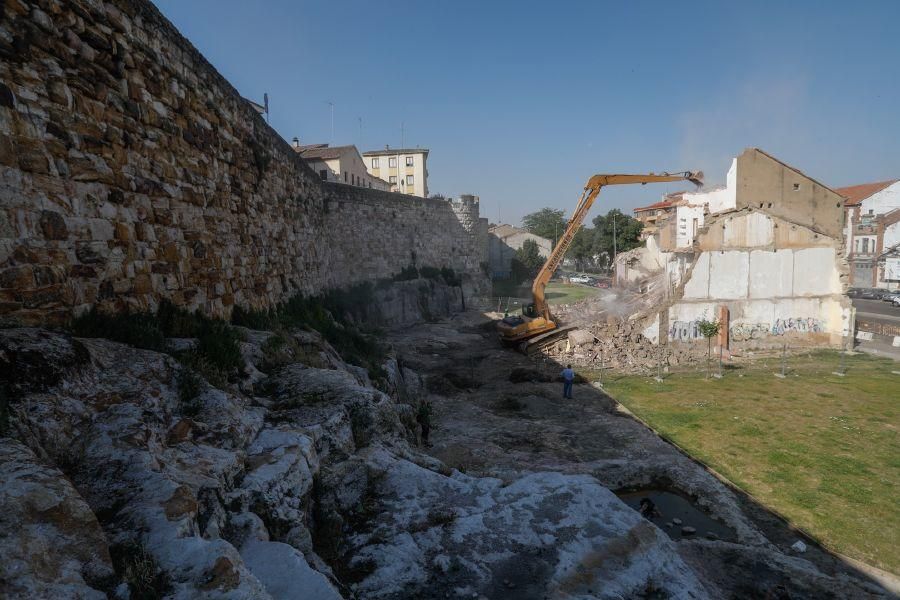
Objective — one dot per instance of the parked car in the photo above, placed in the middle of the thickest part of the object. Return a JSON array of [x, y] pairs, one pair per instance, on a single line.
[[578, 279], [869, 294], [896, 301], [889, 296]]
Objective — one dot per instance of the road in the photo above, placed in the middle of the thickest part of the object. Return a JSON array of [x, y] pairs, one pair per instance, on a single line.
[[877, 310]]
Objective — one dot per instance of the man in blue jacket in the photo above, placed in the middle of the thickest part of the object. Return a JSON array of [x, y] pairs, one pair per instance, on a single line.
[[568, 376]]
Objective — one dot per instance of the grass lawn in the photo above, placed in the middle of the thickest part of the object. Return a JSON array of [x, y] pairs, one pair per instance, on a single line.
[[822, 450], [567, 293]]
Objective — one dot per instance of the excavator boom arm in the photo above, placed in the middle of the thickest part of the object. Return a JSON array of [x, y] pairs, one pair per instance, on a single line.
[[591, 190]]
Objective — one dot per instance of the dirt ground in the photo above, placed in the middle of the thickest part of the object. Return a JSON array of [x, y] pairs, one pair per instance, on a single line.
[[487, 425]]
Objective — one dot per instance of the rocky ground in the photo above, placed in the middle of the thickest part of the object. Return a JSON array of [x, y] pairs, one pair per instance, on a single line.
[[505, 417], [308, 481]]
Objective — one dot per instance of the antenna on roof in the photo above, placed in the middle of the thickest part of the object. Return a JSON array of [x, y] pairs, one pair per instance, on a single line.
[[331, 104]]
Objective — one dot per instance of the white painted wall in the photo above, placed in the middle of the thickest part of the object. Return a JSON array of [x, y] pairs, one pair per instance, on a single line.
[[881, 202], [720, 199], [684, 224], [766, 291], [771, 274], [891, 236]]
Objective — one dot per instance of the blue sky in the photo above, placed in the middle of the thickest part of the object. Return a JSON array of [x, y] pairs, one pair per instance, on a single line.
[[520, 102]]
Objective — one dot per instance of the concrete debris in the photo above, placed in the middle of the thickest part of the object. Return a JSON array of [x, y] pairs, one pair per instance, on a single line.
[[621, 345]]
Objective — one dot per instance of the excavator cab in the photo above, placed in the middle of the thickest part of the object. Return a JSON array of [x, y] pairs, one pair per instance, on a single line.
[[536, 326]]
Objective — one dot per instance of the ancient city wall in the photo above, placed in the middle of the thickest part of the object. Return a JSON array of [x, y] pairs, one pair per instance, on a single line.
[[131, 170], [374, 234]]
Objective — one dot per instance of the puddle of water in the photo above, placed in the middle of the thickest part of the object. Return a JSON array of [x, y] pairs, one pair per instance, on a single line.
[[675, 506]]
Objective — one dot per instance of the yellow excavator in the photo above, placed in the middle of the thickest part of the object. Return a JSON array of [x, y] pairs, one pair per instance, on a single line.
[[536, 327]]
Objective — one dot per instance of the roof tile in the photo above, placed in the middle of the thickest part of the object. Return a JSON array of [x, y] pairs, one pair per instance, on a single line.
[[857, 193]]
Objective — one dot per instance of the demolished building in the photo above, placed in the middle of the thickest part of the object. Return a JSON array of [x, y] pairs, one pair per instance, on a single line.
[[764, 255]]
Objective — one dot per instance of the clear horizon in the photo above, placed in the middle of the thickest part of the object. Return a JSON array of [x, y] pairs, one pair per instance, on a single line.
[[519, 104]]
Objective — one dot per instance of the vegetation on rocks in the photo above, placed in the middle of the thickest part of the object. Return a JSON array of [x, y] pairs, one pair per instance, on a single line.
[[189, 388], [139, 570], [330, 316], [216, 355]]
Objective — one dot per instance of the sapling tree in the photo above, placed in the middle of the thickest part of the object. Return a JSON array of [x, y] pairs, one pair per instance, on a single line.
[[709, 330]]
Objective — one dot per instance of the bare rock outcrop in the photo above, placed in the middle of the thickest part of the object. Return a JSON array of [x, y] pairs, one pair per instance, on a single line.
[[51, 543]]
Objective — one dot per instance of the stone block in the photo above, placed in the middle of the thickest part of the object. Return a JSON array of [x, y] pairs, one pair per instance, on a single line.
[[124, 232], [53, 226], [18, 278], [101, 230]]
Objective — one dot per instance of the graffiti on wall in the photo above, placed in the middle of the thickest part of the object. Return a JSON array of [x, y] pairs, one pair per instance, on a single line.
[[688, 331], [684, 331], [798, 325], [742, 332]]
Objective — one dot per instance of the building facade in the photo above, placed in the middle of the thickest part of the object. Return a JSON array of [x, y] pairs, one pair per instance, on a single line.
[[503, 241], [767, 261], [339, 164], [405, 169], [653, 216], [872, 229]]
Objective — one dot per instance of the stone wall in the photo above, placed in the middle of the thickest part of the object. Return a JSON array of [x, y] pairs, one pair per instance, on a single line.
[[131, 170], [374, 234]]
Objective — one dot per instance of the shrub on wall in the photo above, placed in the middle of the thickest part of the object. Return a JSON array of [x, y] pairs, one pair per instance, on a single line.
[[407, 274]]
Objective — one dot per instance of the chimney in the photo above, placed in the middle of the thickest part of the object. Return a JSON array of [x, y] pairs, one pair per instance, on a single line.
[[295, 143], [387, 146]]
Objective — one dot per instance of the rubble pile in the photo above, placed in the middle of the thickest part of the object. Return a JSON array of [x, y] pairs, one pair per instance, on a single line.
[[621, 345]]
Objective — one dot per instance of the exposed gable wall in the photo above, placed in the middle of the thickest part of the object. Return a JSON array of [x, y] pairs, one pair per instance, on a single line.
[[765, 183]]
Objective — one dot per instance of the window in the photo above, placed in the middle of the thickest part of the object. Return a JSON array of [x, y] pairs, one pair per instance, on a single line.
[[392, 162], [409, 180], [375, 163], [796, 187], [345, 176], [324, 174], [865, 245], [392, 179], [409, 161]]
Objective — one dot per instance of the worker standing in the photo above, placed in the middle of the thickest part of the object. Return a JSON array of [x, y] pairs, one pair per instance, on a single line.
[[568, 376]]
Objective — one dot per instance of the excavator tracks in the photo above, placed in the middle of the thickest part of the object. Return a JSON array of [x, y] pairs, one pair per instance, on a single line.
[[536, 344]]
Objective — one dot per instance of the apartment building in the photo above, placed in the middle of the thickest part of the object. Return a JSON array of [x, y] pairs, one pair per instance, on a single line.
[[652, 216], [405, 169], [341, 164], [872, 232]]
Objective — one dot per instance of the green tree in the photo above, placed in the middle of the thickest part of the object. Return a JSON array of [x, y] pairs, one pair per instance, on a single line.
[[547, 223], [627, 232], [709, 330], [582, 248], [527, 261]]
